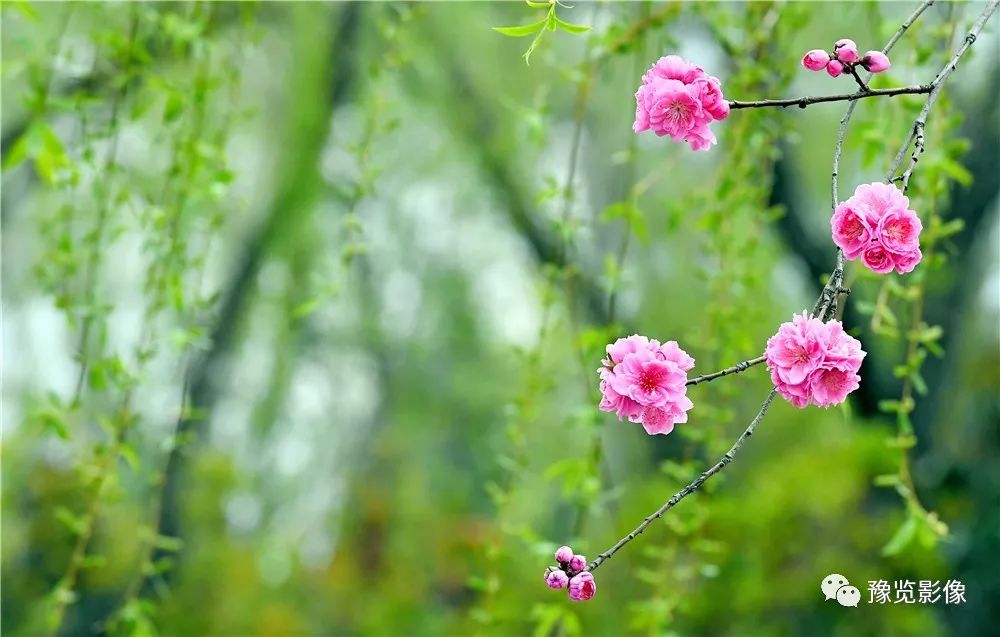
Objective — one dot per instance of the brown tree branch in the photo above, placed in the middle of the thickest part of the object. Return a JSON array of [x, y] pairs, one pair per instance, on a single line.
[[803, 102]]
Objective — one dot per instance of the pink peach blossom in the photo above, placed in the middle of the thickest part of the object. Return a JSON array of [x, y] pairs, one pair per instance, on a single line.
[[673, 67], [831, 386], [649, 382], [877, 259], [564, 554], [700, 138], [874, 200], [899, 231], [556, 578], [623, 406], [815, 60], [671, 351], [851, 231], [812, 362], [646, 381], [578, 563], [657, 421], [673, 108], [906, 262], [877, 225], [840, 346], [582, 587], [641, 114], [834, 68], [875, 61], [846, 51], [621, 348], [710, 94], [795, 351], [678, 99], [796, 393]]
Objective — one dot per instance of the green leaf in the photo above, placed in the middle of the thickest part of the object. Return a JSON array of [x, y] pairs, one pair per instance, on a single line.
[[537, 5], [903, 536], [890, 405], [521, 31], [174, 107], [93, 561], [18, 152], [305, 309], [572, 28], [931, 333], [76, 524], [27, 10], [52, 420], [129, 455], [476, 583], [167, 543], [546, 615], [957, 172], [887, 480]]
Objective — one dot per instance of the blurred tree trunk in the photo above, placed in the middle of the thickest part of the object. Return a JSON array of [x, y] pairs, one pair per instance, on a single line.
[[325, 70]]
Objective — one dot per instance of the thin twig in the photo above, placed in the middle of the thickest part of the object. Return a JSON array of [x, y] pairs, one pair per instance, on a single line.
[[803, 102], [917, 132], [735, 369], [690, 488], [103, 204], [918, 150], [906, 25], [853, 70]]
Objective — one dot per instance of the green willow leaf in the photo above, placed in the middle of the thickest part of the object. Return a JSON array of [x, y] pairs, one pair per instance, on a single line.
[[902, 537], [522, 30], [569, 27]]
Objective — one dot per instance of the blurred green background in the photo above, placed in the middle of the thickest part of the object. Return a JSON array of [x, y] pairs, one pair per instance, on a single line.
[[303, 303]]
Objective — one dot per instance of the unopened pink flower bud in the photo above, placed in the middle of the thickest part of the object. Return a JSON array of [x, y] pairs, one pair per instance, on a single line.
[[582, 587], [578, 563], [556, 578], [564, 554], [875, 61], [815, 60], [846, 51], [834, 68]]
